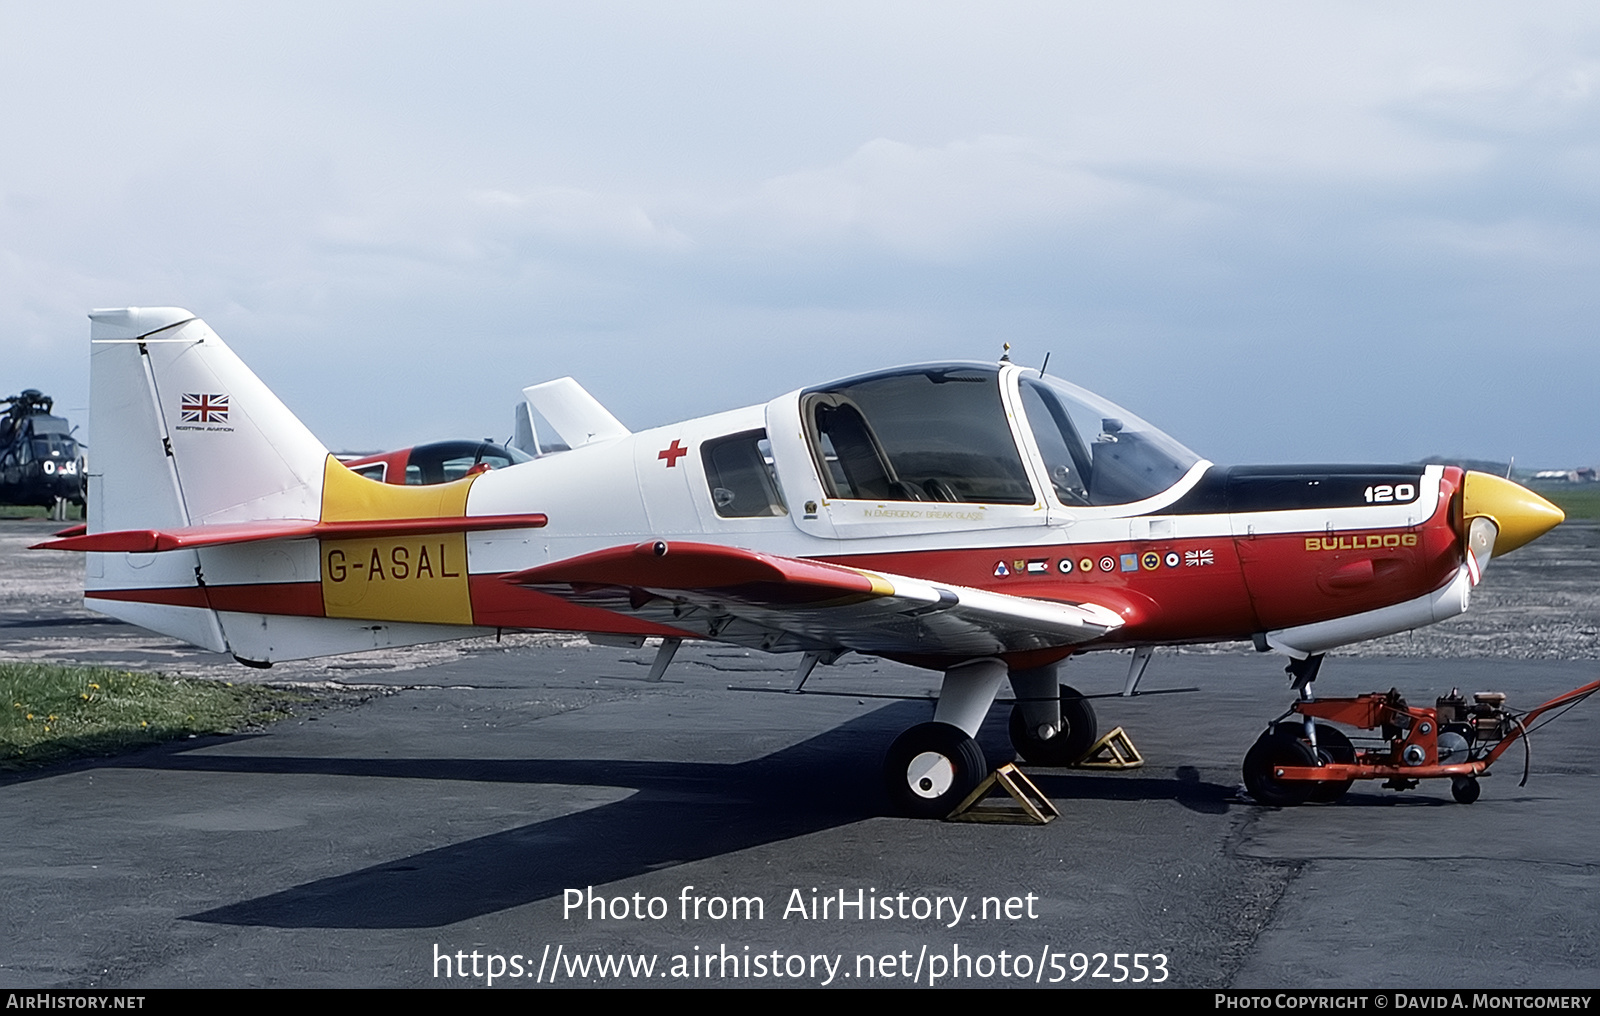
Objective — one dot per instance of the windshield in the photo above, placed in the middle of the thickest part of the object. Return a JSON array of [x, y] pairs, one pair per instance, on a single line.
[[933, 433], [1096, 452]]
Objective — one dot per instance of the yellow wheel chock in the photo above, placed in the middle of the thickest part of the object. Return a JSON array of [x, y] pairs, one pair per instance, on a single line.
[[1031, 806], [1113, 751]]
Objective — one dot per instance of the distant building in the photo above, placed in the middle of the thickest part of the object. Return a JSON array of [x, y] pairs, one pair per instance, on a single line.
[[1583, 474]]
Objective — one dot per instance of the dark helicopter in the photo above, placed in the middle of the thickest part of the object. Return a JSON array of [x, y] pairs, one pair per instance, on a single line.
[[41, 463]]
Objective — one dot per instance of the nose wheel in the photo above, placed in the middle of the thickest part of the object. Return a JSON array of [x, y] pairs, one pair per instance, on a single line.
[[931, 768]]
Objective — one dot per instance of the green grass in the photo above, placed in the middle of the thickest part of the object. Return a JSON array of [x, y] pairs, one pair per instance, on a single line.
[[15, 511], [1579, 501], [50, 713]]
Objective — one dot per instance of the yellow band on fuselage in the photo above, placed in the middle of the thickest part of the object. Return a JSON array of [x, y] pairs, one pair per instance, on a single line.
[[396, 578]]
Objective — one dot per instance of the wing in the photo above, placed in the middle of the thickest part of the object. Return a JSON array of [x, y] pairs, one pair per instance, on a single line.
[[785, 604]]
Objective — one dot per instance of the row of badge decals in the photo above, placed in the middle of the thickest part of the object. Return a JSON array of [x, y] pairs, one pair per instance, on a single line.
[[1150, 560]]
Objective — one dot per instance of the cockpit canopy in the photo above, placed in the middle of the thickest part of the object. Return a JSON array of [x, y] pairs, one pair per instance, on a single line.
[[936, 433], [1094, 451], [942, 432]]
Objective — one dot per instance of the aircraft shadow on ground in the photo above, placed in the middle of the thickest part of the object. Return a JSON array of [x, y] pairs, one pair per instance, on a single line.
[[1185, 787], [680, 812]]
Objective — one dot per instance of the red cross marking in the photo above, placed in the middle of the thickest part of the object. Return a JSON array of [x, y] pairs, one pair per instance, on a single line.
[[673, 453]]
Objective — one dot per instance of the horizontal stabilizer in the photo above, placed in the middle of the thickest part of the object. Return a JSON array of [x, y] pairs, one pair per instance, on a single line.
[[149, 541], [782, 604]]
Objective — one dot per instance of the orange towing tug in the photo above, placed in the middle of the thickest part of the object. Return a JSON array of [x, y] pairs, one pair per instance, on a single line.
[[1300, 760]]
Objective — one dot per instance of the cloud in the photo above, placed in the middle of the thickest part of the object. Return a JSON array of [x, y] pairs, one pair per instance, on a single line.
[[570, 215], [1179, 199], [1509, 102], [940, 202]]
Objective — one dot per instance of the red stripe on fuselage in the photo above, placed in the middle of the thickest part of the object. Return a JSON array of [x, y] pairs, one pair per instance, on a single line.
[[172, 596], [496, 604], [300, 599]]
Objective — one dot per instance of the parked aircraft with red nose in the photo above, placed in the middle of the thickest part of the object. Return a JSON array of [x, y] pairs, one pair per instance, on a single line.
[[985, 520], [434, 462]]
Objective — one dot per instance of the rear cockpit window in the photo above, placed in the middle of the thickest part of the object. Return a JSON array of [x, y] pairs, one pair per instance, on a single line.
[[936, 433], [740, 474]]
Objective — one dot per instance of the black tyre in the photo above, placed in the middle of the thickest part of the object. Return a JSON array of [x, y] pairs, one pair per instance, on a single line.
[[1464, 789], [931, 768], [1079, 728], [1272, 751], [1332, 746]]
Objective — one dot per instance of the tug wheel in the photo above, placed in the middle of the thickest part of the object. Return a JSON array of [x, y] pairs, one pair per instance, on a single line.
[[931, 768], [1333, 746], [1271, 751], [1079, 728], [1464, 789]]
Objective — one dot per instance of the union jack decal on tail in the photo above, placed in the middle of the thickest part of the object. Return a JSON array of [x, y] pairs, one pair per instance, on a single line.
[[204, 408]]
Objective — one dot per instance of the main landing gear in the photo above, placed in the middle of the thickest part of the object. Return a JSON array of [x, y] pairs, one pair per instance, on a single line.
[[933, 767], [1303, 757]]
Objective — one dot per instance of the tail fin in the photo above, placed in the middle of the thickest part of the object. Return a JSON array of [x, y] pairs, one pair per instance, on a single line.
[[185, 434]]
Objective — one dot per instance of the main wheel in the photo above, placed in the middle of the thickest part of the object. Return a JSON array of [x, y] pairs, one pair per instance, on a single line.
[[1079, 728], [931, 768], [1464, 789], [1275, 750]]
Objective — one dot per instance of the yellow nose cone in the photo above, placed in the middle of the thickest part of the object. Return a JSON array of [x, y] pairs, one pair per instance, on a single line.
[[1521, 515]]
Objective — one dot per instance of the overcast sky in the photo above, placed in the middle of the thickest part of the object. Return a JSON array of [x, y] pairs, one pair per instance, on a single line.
[[1282, 232]]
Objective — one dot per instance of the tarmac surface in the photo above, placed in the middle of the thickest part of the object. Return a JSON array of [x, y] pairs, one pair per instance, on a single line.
[[482, 787]]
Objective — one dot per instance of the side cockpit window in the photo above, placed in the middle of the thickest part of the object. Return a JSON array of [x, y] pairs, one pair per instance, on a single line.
[[935, 433], [740, 474]]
